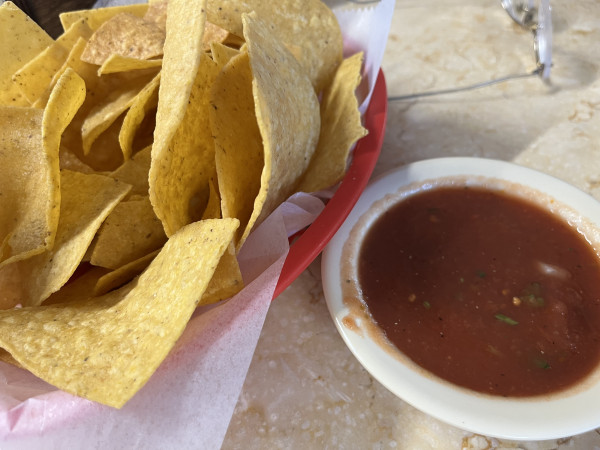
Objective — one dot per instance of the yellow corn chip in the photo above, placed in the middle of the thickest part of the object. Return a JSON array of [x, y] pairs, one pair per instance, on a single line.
[[183, 149], [21, 39], [86, 200], [213, 33], [26, 198], [135, 172], [105, 113], [29, 187], [179, 178], [127, 35], [221, 54], [340, 128], [157, 13], [145, 102], [131, 231], [69, 161], [71, 62], [79, 29], [108, 155], [37, 75], [239, 156], [79, 287], [96, 17], [307, 27], [287, 111], [105, 349], [213, 207], [11, 286], [226, 281], [117, 63], [118, 277], [105, 154]]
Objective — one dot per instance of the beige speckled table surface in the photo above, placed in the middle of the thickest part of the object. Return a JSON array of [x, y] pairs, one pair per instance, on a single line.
[[304, 388]]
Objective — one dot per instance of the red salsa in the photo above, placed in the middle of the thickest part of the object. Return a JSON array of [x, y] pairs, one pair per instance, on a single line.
[[485, 290]]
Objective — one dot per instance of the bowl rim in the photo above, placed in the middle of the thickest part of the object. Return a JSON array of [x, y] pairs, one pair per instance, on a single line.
[[532, 418]]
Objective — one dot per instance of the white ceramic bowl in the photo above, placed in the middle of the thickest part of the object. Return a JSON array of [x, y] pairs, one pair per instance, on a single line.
[[567, 413]]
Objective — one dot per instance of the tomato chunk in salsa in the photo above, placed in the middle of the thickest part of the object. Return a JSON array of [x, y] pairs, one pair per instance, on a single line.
[[485, 290]]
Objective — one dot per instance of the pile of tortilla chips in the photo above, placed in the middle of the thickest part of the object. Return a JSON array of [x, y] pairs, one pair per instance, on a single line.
[[137, 153]]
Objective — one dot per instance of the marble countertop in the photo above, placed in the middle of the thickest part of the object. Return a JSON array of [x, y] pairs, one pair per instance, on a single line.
[[304, 388]]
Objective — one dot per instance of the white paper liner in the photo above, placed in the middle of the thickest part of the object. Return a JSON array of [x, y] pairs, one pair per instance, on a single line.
[[189, 401]]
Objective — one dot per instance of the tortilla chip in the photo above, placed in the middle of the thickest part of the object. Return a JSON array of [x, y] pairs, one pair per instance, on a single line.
[[105, 113], [340, 128], [213, 207], [127, 35], [37, 75], [287, 111], [85, 71], [27, 190], [11, 286], [135, 172], [124, 274], [105, 349], [68, 160], [131, 231], [183, 149], [213, 33], [96, 17], [234, 42], [64, 102], [143, 104], [79, 287], [179, 70], [86, 200], [117, 63], [21, 39], [226, 281], [239, 155], [157, 13], [105, 155], [221, 54], [79, 29], [109, 156], [307, 27], [72, 61], [143, 134], [179, 178], [30, 183], [34, 78]]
